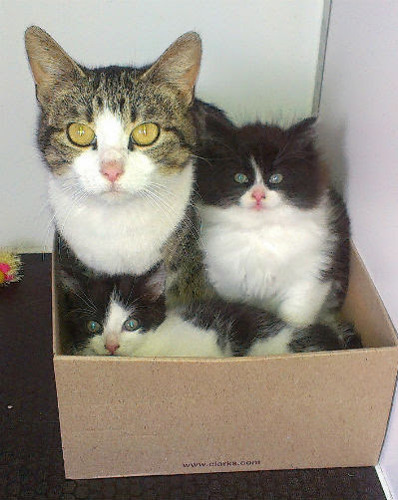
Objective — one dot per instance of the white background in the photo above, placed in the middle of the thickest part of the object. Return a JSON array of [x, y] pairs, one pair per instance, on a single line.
[[359, 130], [260, 60]]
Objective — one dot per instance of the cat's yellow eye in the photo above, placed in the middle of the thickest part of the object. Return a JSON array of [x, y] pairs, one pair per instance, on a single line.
[[80, 134], [145, 134]]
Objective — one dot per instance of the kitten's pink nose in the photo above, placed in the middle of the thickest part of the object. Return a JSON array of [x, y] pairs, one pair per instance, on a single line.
[[258, 193], [112, 169], [112, 347]]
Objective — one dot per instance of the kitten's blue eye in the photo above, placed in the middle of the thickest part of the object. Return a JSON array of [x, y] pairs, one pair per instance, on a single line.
[[131, 324], [93, 327], [241, 178], [276, 178]]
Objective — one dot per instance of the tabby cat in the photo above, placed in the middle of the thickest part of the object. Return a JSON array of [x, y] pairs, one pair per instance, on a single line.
[[120, 143]]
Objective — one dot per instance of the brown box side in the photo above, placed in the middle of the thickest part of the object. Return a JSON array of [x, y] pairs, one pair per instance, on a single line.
[[120, 417], [364, 307]]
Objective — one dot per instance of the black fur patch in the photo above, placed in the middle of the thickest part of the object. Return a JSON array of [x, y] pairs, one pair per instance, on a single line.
[[237, 325]]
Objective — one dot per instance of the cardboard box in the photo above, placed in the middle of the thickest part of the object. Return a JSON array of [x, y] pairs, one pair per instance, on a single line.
[[125, 417]]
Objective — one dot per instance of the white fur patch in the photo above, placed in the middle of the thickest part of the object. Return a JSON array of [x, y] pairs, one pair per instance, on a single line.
[[269, 258], [112, 142], [124, 237], [278, 344], [114, 320], [175, 338]]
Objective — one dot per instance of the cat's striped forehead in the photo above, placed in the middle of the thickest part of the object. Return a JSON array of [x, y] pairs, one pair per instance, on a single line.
[[121, 90]]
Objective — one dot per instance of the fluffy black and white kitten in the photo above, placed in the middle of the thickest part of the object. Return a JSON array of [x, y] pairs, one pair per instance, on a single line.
[[126, 316], [274, 233]]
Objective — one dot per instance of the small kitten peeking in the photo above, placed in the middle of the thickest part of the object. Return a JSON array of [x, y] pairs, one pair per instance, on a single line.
[[274, 233], [126, 316]]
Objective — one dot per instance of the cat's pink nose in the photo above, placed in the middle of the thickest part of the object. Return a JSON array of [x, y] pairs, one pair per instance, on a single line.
[[112, 347], [112, 170], [258, 194]]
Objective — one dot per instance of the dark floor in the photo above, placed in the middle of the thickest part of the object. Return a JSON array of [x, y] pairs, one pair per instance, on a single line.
[[30, 447]]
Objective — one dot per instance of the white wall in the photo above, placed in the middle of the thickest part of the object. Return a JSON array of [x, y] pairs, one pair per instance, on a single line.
[[359, 129], [260, 60]]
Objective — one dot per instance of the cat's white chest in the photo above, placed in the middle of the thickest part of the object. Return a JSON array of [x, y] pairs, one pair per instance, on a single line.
[[257, 258], [126, 237]]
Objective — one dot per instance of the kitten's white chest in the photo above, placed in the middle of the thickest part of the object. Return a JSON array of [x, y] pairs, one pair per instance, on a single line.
[[258, 258]]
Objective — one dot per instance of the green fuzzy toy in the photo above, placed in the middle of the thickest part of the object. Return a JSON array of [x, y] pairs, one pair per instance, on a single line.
[[10, 268]]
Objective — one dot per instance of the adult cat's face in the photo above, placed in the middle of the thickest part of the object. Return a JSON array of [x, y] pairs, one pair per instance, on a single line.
[[261, 167], [110, 315], [114, 132]]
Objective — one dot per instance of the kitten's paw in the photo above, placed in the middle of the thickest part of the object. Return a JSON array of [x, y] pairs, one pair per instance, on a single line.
[[298, 313], [303, 303], [297, 317]]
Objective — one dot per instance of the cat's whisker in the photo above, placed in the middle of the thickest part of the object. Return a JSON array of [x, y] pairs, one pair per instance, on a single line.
[[160, 204], [91, 309], [187, 222], [52, 222], [162, 188], [74, 204], [167, 203]]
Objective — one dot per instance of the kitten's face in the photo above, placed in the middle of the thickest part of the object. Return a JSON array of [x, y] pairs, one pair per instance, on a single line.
[[110, 315], [262, 168], [114, 132]]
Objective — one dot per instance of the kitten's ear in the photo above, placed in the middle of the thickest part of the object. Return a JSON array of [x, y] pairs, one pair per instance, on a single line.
[[179, 65], [48, 61], [68, 282], [155, 283], [303, 133], [306, 125]]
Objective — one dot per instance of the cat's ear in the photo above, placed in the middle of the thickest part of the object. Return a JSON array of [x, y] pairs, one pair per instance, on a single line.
[[303, 133], [155, 283], [179, 65], [49, 63]]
